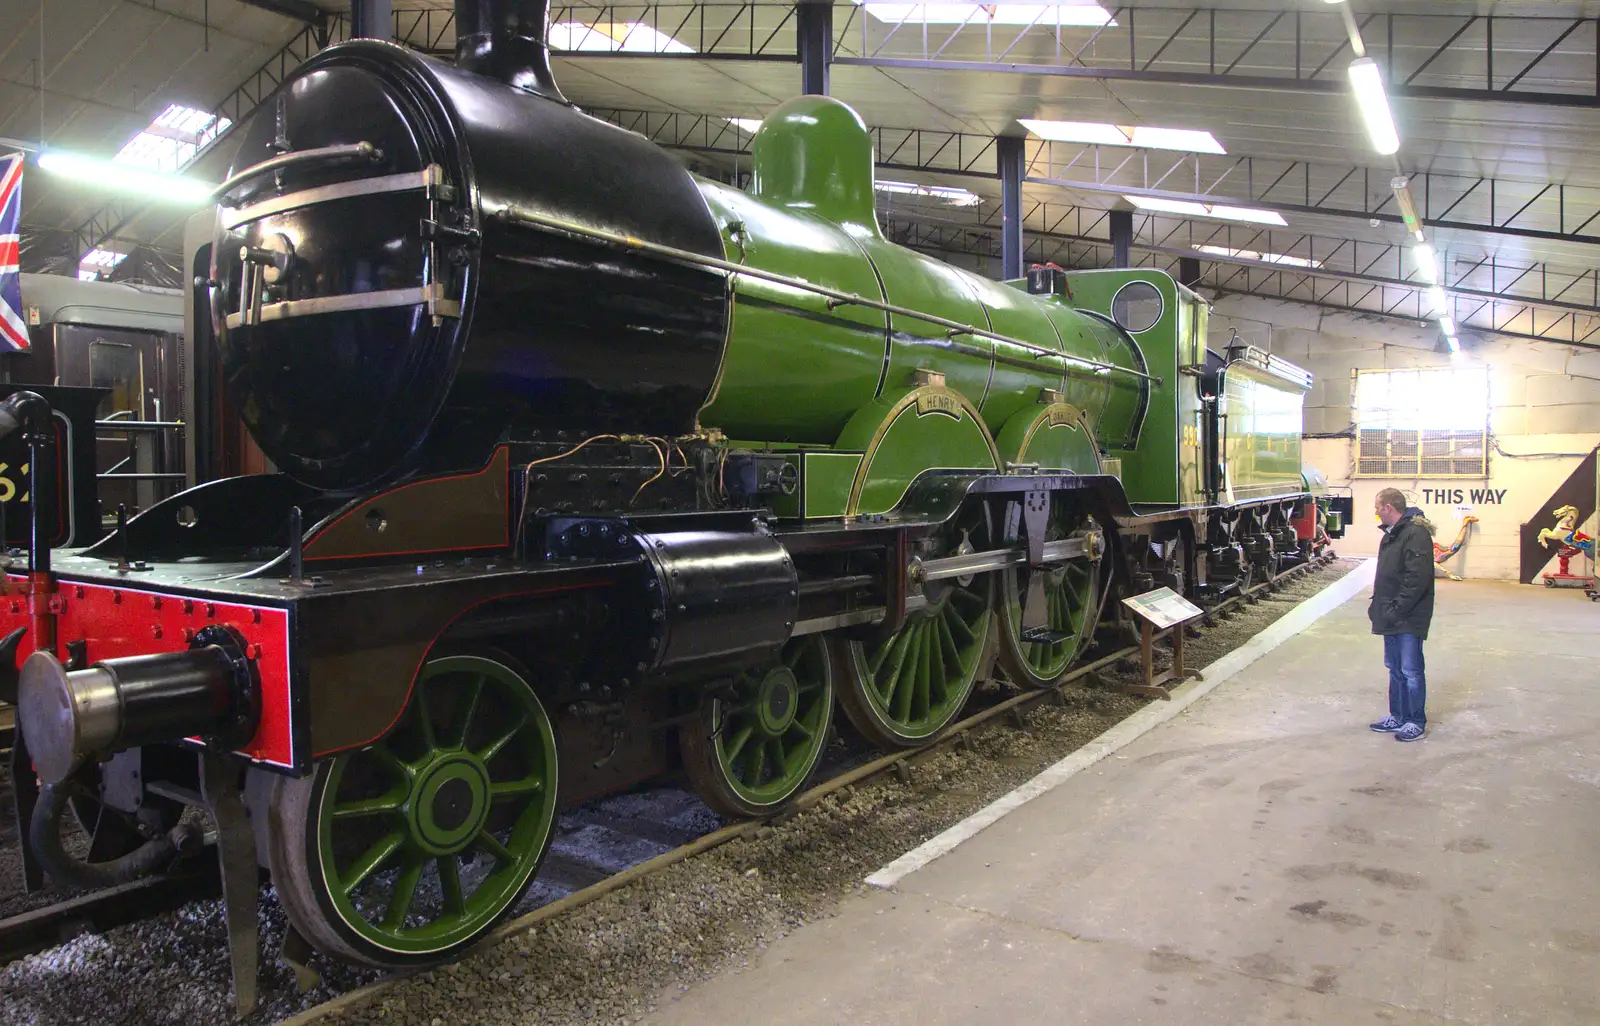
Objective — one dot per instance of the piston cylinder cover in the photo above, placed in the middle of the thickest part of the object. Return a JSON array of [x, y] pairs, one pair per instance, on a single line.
[[71, 716], [717, 599]]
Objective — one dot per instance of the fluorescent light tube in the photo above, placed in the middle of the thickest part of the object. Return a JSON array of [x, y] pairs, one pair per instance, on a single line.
[[1454, 344], [1188, 140], [1366, 78], [944, 193], [1265, 258], [1427, 265], [1251, 215], [122, 178], [1447, 325], [1058, 14], [1437, 297]]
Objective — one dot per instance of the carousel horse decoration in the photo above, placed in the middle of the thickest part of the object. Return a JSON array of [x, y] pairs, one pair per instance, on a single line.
[[1566, 532], [1571, 542], [1444, 552]]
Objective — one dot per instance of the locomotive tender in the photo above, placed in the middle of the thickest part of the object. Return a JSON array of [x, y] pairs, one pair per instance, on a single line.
[[589, 469]]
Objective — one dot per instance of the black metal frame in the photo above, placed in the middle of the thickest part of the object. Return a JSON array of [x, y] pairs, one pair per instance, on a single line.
[[1150, 44]]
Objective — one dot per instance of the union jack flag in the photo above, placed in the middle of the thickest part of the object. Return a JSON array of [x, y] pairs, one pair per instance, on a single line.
[[13, 329]]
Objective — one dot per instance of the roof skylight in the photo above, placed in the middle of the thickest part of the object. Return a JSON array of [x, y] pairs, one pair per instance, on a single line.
[[613, 37], [1252, 215], [1143, 136], [1265, 258], [746, 124], [1073, 12], [943, 193], [97, 262], [173, 140]]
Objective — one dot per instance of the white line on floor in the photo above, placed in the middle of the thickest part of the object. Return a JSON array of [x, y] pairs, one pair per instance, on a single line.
[[1135, 726]]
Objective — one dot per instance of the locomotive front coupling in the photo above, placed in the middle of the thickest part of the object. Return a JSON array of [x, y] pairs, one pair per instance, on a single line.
[[69, 717]]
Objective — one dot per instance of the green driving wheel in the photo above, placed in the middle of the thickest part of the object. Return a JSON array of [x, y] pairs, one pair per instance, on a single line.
[[407, 851], [753, 749], [1072, 598], [902, 690]]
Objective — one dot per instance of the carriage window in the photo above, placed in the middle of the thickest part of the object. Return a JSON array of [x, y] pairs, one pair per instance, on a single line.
[[1137, 306], [118, 366], [1422, 423]]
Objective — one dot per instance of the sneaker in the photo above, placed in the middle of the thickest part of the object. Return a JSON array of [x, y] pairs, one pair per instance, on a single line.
[[1387, 725], [1411, 732]]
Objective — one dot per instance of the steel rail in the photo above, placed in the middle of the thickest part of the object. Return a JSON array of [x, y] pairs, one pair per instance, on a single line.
[[835, 297], [51, 925], [957, 733]]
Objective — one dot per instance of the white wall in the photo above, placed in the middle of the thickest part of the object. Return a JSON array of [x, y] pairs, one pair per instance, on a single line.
[[1544, 399]]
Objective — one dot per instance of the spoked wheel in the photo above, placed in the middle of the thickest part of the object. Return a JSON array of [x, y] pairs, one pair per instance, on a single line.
[[1072, 606], [904, 689], [754, 750], [407, 851]]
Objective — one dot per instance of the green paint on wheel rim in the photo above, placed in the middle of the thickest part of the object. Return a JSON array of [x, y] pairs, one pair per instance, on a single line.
[[769, 738], [1069, 596], [424, 838], [917, 680]]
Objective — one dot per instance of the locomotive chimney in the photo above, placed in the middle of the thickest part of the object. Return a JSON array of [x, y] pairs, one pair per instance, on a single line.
[[506, 39]]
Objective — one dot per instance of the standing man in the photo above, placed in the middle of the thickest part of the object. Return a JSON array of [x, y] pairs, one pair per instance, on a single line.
[[1402, 607]]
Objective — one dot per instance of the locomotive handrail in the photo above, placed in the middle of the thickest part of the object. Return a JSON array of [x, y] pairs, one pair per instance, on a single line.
[[835, 297], [350, 151]]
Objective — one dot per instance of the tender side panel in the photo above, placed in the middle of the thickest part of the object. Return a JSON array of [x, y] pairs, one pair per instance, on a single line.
[[1261, 435], [117, 622]]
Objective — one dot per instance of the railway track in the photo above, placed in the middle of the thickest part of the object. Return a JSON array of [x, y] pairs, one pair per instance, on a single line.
[[599, 848]]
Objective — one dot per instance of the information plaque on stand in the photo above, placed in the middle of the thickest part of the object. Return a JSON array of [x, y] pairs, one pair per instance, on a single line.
[[1161, 613]]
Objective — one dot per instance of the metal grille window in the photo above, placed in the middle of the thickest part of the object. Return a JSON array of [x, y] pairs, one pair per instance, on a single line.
[[1422, 423]]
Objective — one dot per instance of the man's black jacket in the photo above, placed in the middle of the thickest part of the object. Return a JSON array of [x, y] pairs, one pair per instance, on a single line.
[[1402, 593]]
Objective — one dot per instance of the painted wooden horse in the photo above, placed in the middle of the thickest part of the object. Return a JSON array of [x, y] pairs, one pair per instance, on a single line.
[[1566, 532], [1444, 552]]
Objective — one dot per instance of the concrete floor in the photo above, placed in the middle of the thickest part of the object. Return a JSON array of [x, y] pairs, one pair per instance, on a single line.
[[1264, 858]]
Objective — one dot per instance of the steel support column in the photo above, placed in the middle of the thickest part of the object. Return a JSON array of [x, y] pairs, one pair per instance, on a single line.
[[1121, 238], [371, 19], [814, 40], [1010, 155]]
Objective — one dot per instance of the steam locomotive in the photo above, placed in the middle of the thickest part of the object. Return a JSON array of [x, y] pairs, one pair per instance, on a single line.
[[589, 470]]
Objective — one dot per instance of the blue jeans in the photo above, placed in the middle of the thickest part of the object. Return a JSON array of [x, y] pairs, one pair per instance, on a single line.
[[1408, 689]]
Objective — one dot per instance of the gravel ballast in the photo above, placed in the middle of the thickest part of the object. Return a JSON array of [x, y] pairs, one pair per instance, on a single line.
[[611, 960]]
